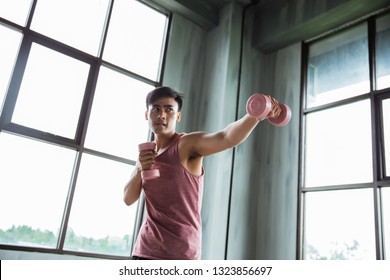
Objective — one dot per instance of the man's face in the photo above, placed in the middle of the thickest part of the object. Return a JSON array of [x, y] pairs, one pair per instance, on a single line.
[[163, 115]]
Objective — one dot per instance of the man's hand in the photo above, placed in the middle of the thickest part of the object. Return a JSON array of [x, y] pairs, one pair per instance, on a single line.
[[146, 159]]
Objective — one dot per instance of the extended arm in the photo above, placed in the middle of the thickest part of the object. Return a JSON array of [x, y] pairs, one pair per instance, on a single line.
[[204, 144]]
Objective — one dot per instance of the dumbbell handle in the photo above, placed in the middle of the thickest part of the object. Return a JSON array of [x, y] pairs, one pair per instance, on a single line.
[[151, 173]]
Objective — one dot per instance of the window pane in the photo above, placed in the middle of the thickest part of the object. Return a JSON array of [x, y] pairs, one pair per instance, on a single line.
[[15, 11], [10, 41], [338, 145], [100, 222], [386, 132], [117, 123], [73, 22], [34, 184], [383, 52], [51, 93], [339, 225], [135, 38], [386, 219], [338, 67]]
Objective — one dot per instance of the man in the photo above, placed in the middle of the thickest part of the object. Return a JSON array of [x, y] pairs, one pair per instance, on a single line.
[[173, 227]]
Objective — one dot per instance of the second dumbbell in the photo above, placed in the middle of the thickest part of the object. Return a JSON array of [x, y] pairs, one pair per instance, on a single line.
[[151, 173]]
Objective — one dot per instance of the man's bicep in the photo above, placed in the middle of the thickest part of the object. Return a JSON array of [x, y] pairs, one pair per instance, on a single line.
[[205, 144]]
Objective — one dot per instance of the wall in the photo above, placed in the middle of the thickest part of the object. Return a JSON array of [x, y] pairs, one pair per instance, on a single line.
[[250, 213], [265, 187], [263, 219], [219, 105], [184, 67], [282, 23]]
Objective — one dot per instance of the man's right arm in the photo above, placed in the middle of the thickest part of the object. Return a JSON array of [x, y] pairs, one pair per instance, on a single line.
[[132, 189]]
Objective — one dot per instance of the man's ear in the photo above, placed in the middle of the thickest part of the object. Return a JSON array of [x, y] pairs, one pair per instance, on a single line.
[[146, 115], [178, 116]]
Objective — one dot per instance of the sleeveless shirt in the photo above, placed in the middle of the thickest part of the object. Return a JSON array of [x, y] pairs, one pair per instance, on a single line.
[[173, 226]]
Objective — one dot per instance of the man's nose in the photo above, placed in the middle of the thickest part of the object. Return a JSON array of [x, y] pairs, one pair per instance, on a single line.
[[161, 115]]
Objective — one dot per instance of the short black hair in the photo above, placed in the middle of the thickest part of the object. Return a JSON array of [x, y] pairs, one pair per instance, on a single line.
[[164, 91]]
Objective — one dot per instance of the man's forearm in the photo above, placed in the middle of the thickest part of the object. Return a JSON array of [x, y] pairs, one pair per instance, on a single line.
[[238, 131], [132, 189]]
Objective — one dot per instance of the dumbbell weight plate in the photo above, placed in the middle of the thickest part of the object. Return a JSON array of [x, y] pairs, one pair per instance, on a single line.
[[150, 174], [283, 118], [147, 146], [259, 106]]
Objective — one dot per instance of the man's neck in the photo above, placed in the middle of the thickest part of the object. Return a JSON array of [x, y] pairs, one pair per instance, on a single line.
[[163, 140]]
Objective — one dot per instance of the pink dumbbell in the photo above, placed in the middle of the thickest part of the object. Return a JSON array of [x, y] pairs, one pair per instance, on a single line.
[[260, 105], [152, 173]]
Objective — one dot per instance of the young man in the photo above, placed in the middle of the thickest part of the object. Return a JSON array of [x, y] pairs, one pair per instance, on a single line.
[[173, 226]]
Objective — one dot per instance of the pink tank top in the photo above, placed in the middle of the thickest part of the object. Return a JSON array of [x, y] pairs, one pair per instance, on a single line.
[[173, 226]]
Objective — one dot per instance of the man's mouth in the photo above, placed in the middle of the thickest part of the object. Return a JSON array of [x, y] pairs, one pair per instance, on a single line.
[[160, 123]]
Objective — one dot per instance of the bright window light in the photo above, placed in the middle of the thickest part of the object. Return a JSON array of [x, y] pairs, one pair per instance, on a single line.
[[52, 92]]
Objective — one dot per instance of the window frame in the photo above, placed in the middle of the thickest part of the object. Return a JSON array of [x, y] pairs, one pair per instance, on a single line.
[[380, 180], [77, 143]]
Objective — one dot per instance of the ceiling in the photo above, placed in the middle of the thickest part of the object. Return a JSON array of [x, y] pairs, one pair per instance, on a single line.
[[203, 12], [279, 23], [217, 4]]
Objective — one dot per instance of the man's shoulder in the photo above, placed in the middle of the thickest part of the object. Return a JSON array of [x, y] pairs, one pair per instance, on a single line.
[[188, 147], [189, 140], [191, 136]]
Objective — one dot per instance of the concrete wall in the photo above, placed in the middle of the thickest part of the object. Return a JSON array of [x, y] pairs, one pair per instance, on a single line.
[[263, 218], [285, 22], [250, 199]]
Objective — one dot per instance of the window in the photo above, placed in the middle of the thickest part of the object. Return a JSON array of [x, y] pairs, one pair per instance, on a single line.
[[328, 139], [8, 52], [34, 185], [338, 67], [386, 218], [335, 230], [382, 52], [72, 99], [345, 182], [51, 92], [386, 134]]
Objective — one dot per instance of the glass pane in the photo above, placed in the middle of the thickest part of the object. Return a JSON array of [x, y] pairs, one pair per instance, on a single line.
[[117, 123], [383, 52], [386, 219], [10, 41], [100, 221], [338, 145], [338, 67], [34, 184], [135, 38], [73, 22], [339, 225], [15, 11], [51, 93], [386, 132]]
